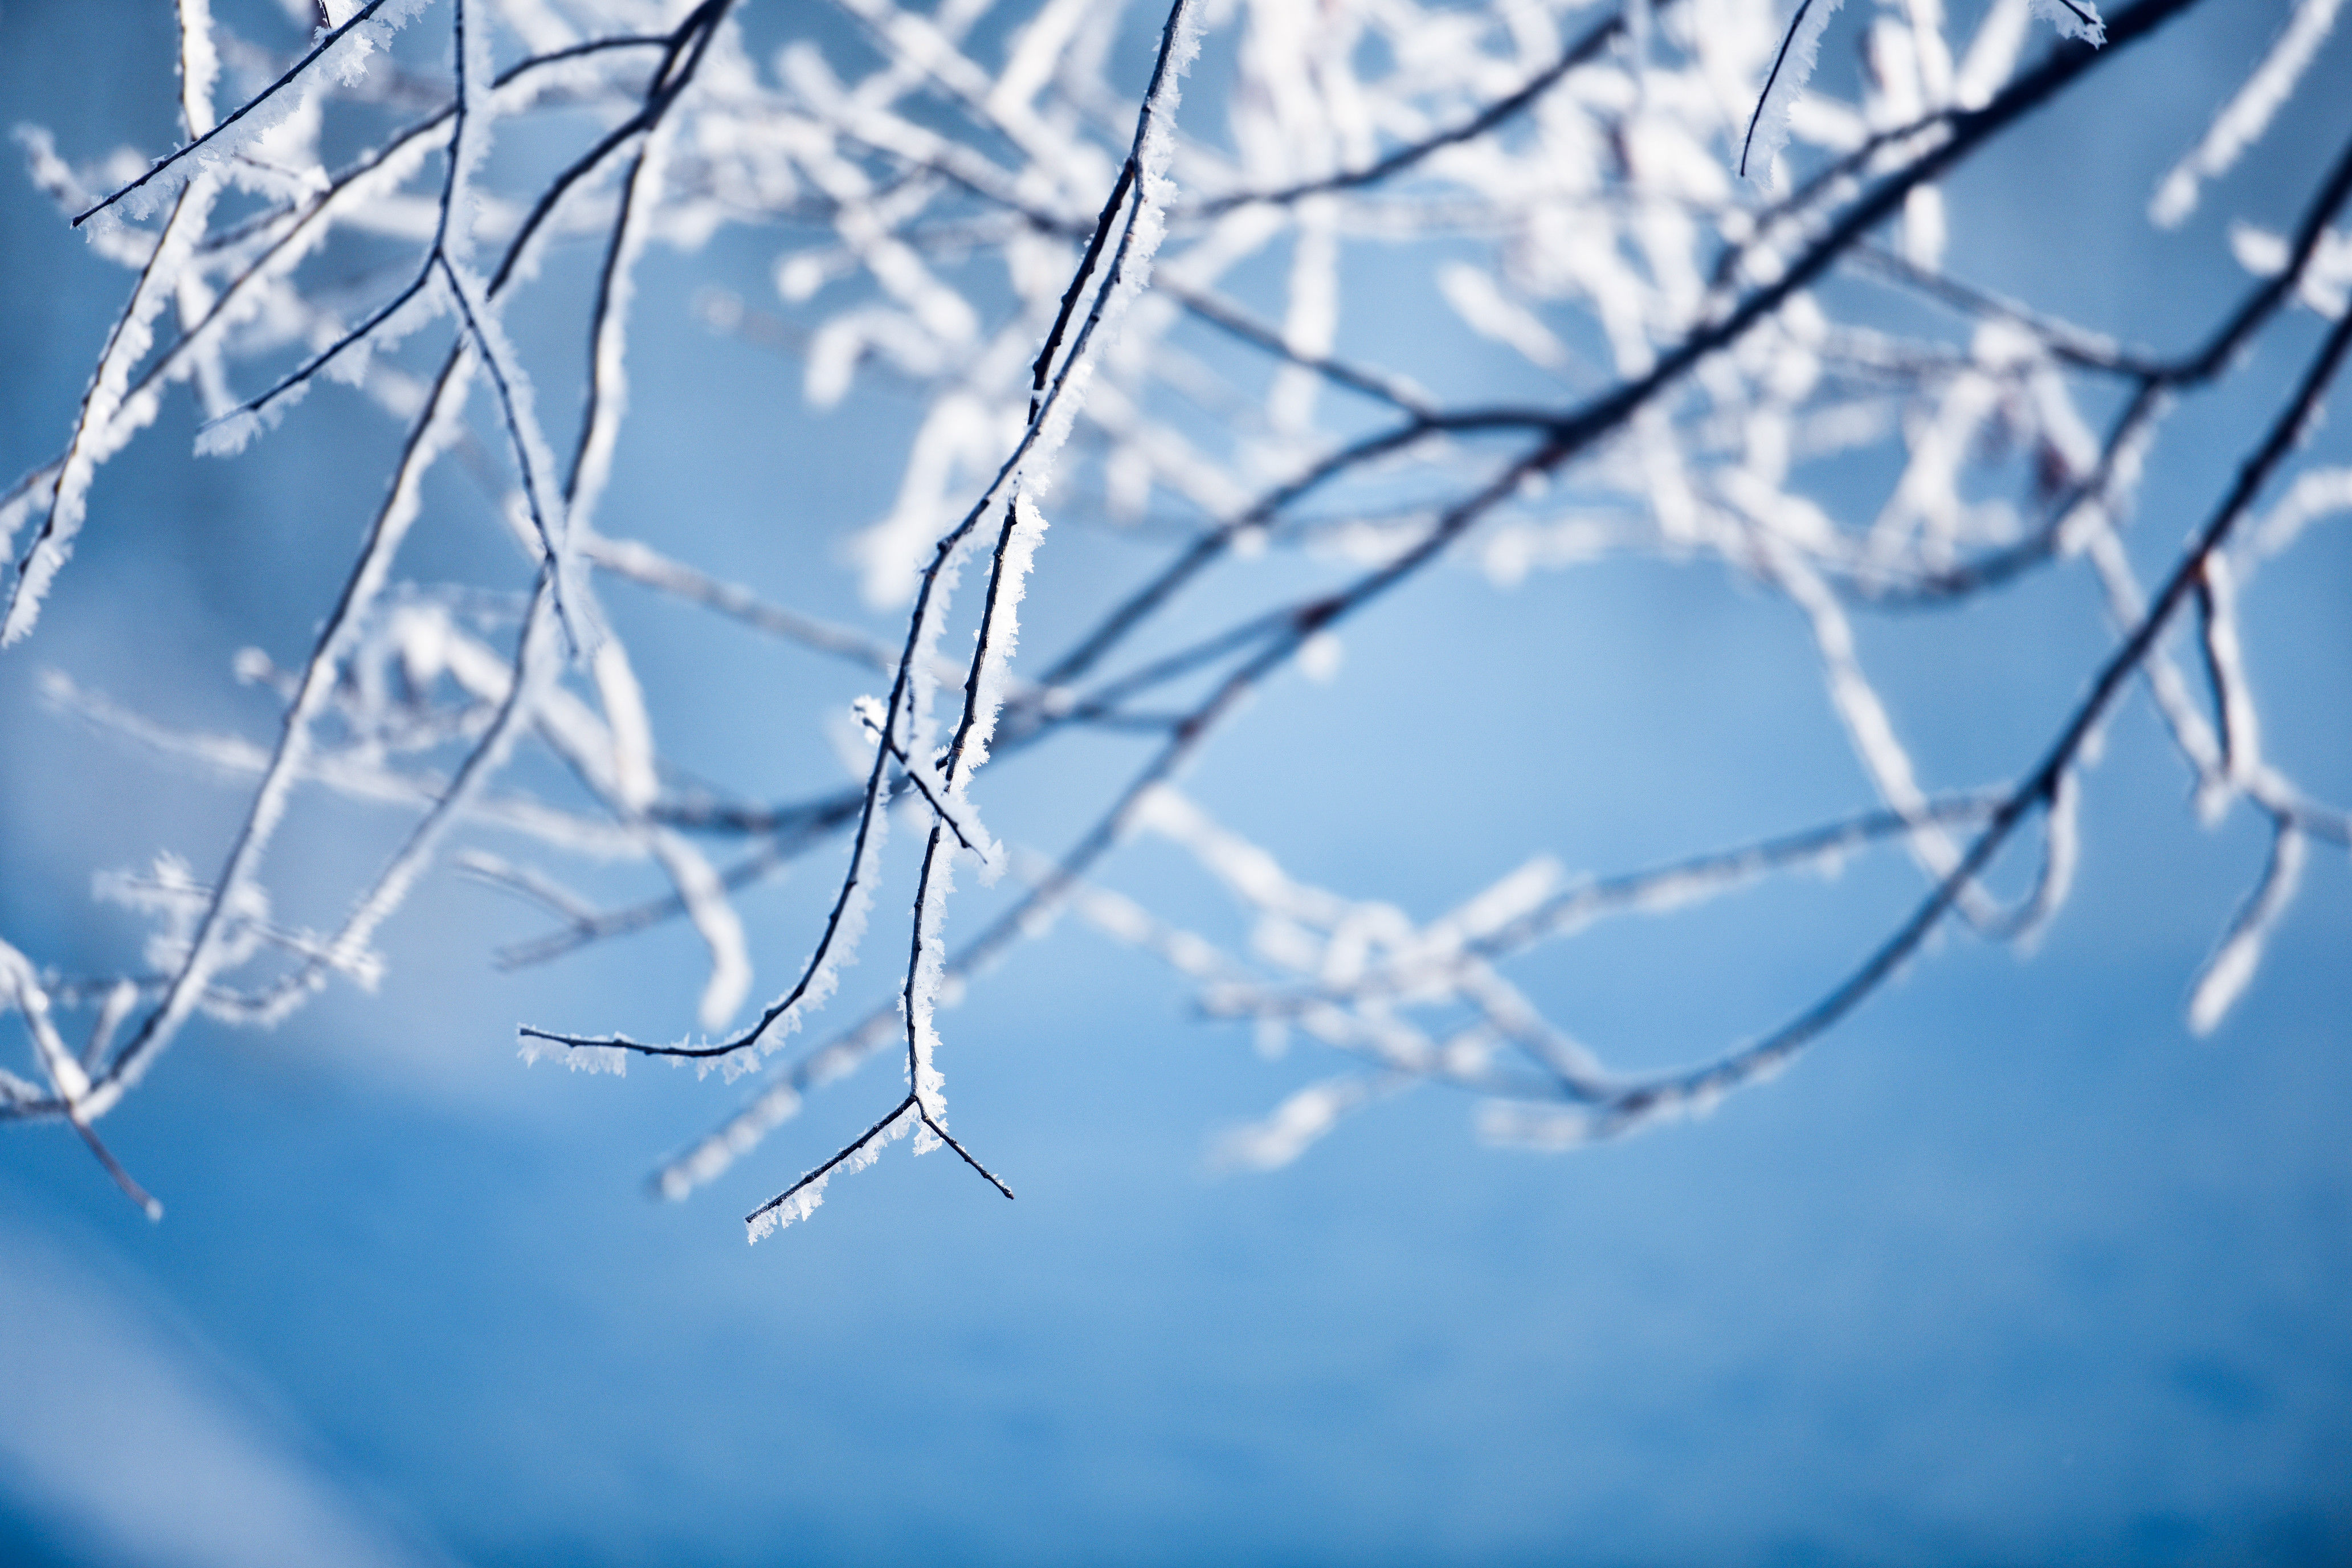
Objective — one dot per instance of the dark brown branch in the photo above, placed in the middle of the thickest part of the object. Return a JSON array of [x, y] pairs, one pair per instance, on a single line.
[[821, 1171], [292, 73], [1788, 41], [1586, 48], [945, 1137]]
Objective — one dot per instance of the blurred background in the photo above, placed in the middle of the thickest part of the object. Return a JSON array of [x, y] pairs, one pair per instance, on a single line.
[[2012, 1268]]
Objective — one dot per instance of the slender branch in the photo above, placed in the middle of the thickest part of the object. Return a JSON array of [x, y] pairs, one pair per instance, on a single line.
[[827, 1169], [1637, 1105], [293, 73], [122, 1178], [1586, 48], [944, 1135], [1779, 59]]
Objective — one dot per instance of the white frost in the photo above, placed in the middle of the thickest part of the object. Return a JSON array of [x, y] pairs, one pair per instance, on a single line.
[[1791, 69]]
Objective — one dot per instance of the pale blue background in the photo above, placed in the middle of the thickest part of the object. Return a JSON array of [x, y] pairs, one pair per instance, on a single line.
[[2011, 1269]]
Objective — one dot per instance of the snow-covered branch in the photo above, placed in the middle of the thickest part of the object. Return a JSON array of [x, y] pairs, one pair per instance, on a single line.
[[1239, 344]]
